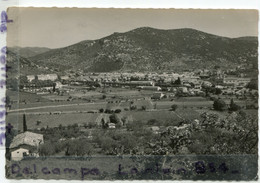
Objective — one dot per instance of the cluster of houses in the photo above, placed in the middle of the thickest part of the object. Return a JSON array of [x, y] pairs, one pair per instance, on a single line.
[[191, 82]]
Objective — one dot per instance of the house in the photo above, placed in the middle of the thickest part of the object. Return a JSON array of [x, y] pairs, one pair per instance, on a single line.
[[58, 84], [25, 144], [155, 129], [157, 95], [111, 125], [236, 80], [44, 77], [30, 78], [183, 90], [145, 83], [154, 88], [64, 77]]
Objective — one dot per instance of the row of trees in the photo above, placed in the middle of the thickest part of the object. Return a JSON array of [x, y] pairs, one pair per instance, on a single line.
[[76, 147], [220, 105]]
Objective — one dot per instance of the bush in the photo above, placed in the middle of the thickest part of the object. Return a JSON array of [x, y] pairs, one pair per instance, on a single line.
[[108, 111], [233, 106], [153, 122], [219, 105], [218, 91], [78, 147], [38, 122], [174, 107], [133, 108], [101, 110], [114, 118], [143, 108], [117, 110], [47, 149]]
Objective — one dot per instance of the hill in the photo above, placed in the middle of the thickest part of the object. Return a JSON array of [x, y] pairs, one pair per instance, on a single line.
[[18, 65], [27, 52], [149, 49]]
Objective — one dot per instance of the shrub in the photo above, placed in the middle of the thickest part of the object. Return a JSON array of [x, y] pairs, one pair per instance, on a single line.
[[219, 105], [233, 106], [47, 149], [38, 122], [153, 122], [101, 110], [174, 107], [117, 110], [218, 91], [78, 147], [114, 118], [133, 108]]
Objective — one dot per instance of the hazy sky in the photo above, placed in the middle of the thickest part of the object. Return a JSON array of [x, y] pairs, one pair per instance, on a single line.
[[59, 27]]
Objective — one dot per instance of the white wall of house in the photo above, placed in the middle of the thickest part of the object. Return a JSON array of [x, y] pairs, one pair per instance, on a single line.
[[18, 154]]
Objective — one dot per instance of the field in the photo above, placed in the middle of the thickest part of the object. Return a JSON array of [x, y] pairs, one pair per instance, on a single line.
[[42, 108], [53, 120]]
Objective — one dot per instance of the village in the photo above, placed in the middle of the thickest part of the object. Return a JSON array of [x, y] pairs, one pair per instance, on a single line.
[[128, 113]]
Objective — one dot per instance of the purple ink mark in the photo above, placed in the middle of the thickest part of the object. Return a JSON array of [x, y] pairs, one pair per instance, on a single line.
[[4, 50], [3, 99], [9, 127], [2, 59], [4, 18], [3, 28], [223, 167], [2, 113], [200, 167], [2, 137], [2, 83], [15, 166], [6, 68], [45, 170], [212, 167], [4, 75]]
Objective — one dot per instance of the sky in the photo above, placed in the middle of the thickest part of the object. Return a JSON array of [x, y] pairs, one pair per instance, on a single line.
[[60, 27]]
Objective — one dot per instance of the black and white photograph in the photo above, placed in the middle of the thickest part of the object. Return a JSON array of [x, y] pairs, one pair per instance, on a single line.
[[132, 94]]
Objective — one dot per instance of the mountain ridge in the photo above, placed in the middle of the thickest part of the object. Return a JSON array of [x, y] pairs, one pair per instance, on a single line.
[[150, 49]]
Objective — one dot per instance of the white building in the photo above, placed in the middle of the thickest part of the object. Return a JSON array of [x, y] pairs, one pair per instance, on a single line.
[[25, 144], [30, 77], [236, 81], [44, 77]]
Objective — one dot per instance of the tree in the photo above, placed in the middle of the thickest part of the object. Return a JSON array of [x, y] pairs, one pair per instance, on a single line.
[[253, 84], [178, 81], [233, 106], [8, 101], [54, 87], [117, 110], [153, 122], [174, 107], [46, 149], [24, 123], [78, 147], [101, 110], [104, 124], [114, 118], [104, 96], [219, 105], [218, 91]]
